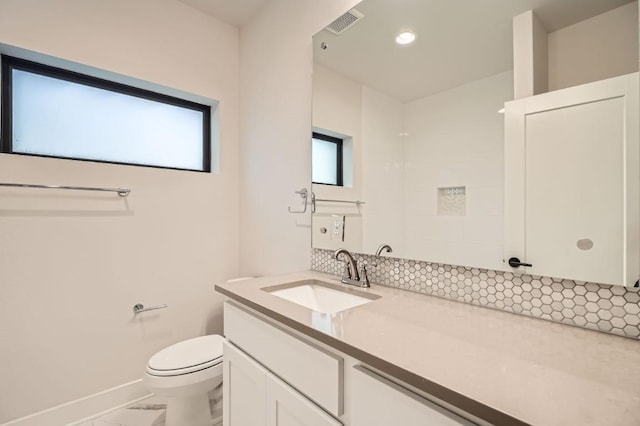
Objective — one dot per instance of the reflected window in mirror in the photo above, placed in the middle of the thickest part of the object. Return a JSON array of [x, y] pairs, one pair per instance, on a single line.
[[327, 167]]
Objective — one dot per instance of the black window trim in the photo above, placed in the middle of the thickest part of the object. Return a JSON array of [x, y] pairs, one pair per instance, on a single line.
[[9, 63], [339, 171]]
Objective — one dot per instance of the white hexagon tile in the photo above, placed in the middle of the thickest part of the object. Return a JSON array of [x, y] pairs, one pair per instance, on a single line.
[[606, 308]]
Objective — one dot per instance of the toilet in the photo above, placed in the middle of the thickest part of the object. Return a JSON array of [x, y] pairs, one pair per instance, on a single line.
[[185, 373]]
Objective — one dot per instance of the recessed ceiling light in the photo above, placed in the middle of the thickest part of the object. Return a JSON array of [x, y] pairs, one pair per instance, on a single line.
[[406, 37]]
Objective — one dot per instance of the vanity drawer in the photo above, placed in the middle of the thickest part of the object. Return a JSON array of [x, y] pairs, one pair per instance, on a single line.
[[378, 401], [311, 370]]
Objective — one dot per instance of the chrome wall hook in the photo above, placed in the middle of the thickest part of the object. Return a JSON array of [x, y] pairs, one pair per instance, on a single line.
[[303, 194]]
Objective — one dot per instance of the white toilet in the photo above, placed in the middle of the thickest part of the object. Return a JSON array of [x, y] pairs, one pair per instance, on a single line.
[[185, 373]]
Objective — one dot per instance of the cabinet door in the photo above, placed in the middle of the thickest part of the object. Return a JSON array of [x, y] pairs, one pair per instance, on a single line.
[[376, 401], [244, 389], [287, 407], [572, 182]]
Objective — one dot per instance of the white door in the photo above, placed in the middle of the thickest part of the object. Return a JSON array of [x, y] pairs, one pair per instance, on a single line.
[[375, 401], [244, 388], [287, 407], [572, 182]]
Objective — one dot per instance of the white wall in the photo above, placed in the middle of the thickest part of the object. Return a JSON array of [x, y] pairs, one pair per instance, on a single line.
[[72, 265], [601, 47], [456, 139], [337, 108], [529, 55], [383, 172], [375, 122], [276, 63], [405, 152]]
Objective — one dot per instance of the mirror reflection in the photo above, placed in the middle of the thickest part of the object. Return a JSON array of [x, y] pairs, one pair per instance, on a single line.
[[425, 164]]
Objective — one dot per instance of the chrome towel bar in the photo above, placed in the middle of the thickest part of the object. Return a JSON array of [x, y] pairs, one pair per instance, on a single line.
[[139, 307], [304, 194], [314, 200], [356, 202], [123, 192]]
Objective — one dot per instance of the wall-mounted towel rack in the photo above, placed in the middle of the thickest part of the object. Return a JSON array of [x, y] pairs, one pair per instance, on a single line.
[[356, 202], [314, 200], [304, 194], [123, 192]]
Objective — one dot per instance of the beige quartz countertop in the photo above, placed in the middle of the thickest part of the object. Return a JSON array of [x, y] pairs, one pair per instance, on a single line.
[[501, 367]]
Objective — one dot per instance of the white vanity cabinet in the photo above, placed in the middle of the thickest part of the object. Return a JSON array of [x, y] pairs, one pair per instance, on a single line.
[[378, 401], [313, 371], [572, 167], [275, 376], [253, 396]]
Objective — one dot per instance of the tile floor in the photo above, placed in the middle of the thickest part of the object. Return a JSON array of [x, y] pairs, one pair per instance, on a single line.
[[148, 412]]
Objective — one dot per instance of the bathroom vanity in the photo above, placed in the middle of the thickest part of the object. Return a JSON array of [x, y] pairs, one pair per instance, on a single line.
[[504, 142], [402, 358]]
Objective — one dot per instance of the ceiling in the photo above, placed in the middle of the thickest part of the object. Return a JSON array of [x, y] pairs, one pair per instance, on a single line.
[[458, 41], [234, 12]]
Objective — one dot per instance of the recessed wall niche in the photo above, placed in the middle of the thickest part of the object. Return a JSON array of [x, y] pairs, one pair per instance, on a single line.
[[452, 201]]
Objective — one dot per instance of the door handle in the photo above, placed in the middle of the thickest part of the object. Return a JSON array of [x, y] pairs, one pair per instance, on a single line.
[[514, 262]]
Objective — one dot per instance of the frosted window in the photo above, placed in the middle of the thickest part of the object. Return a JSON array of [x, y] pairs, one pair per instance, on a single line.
[[59, 118], [326, 157]]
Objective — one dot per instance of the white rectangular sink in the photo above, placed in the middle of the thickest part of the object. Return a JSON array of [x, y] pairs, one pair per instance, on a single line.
[[320, 296]]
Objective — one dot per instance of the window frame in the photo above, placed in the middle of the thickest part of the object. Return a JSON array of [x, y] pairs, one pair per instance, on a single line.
[[339, 154], [9, 63]]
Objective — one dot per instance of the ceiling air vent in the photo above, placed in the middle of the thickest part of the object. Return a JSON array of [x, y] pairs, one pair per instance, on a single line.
[[345, 21]]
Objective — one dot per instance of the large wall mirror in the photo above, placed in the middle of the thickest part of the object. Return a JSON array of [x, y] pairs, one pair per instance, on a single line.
[[414, 143]]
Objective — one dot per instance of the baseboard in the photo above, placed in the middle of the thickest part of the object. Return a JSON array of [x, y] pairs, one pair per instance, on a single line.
[[86, 407]]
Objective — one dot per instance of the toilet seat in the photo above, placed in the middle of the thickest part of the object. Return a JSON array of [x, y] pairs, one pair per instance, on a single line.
[[187, 357]]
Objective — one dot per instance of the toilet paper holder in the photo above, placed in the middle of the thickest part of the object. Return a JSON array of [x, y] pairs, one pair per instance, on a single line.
[[139, 307]]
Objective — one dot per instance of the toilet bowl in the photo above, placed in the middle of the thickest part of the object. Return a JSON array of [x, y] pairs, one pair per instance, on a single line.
[[185, 373]]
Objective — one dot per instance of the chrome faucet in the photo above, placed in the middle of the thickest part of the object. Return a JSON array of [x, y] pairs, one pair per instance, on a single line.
[[351, 269], [384, 247], [351, 275]]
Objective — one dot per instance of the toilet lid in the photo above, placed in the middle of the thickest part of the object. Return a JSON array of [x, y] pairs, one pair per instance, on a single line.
[[187, 357]]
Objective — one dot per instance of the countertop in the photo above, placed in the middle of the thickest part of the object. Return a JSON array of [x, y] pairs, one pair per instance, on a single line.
[[501, 367]]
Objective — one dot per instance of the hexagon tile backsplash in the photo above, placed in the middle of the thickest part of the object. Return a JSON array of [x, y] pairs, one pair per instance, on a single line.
[[606, 308]]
